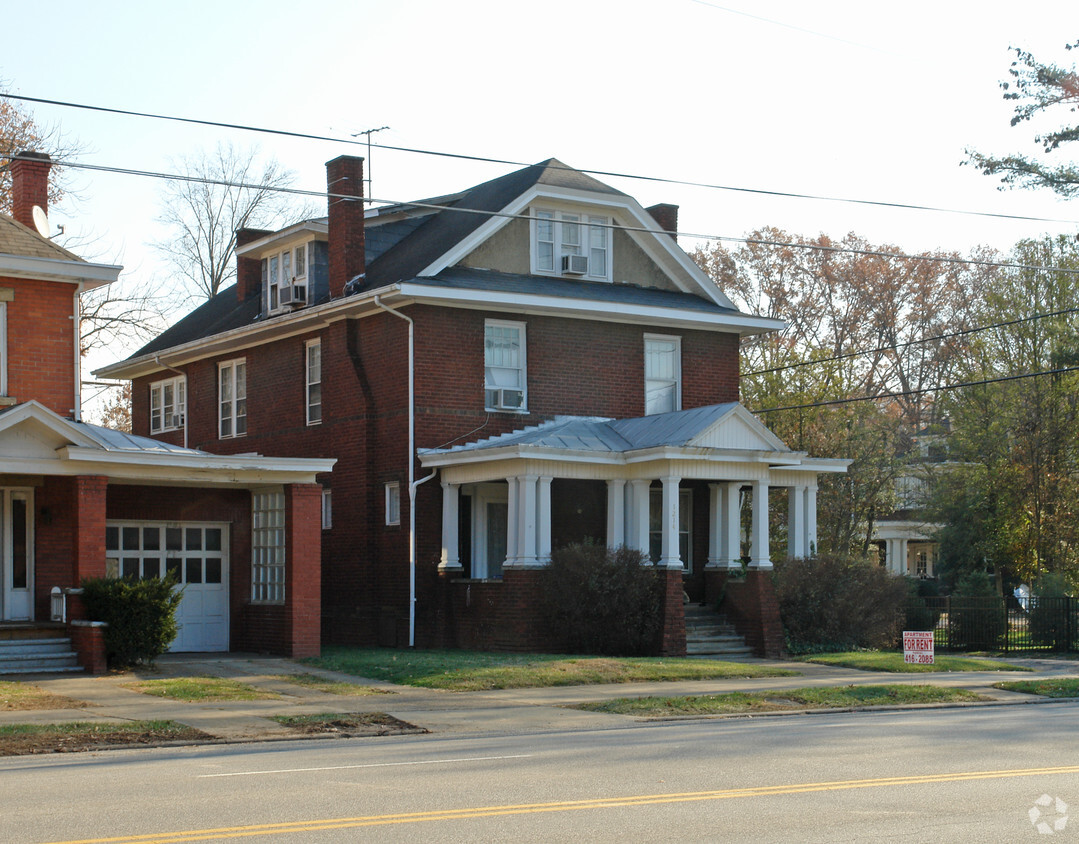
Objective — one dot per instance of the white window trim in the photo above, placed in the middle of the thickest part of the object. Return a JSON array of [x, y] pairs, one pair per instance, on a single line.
[[3, 348], [521, 327], [271, 286], [179, 404], [483, 495], [665, 338], [393, 503], [308, 404], [231, 365], [327, 509], [585, 221], [268, 564]]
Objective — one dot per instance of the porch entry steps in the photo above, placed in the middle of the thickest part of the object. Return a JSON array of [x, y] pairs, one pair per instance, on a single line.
[[708, 633], [37, 655]]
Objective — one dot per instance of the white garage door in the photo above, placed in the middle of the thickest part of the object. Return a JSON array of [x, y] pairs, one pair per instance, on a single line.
[[197, 554]]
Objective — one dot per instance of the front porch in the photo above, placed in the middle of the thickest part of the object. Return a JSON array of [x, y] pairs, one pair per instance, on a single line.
[[689, 489]]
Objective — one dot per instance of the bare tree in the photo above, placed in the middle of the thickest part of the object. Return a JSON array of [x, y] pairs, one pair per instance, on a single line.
[[225, 190]]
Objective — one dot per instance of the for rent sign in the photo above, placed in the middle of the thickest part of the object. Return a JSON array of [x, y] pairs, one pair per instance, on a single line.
[[918, 646]]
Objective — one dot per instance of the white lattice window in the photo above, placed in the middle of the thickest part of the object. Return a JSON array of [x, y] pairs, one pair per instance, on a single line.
[[268, 547]]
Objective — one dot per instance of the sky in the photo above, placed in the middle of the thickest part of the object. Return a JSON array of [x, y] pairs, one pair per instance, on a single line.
[[849, 100]]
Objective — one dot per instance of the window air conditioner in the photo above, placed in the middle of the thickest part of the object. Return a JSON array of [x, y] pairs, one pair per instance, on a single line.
[[509, 399], [293, 294], [176, 420], [574, 264]]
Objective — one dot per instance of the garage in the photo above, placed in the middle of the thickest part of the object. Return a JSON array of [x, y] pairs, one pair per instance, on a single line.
[[196, 554]]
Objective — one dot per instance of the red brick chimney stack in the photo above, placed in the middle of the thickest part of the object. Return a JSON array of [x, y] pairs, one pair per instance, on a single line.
[[344, 178], [667, 217], [248, 270], [29, 185]]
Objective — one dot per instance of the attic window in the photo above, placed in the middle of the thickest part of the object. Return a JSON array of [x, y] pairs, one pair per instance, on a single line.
[[284, 279], [571, 244]]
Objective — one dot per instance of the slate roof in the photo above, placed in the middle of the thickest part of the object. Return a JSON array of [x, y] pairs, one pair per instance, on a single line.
[[17, 239], [222, 313], [581, 433]]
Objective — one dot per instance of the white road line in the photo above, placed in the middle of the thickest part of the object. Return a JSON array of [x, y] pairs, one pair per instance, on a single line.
[[375, 765]]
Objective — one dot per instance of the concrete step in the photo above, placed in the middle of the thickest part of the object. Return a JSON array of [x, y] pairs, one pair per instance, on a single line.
[[695, 649], [13, 647], [37, 656], [708, 633]]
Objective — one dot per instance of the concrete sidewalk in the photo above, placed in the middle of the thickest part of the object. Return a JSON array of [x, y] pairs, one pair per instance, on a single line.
[[103, 698]]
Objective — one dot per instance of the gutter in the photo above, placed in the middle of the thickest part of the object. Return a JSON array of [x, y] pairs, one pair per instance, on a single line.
[[412, 482]]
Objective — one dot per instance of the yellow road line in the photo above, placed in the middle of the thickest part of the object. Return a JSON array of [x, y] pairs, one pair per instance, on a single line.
[[562, 806]]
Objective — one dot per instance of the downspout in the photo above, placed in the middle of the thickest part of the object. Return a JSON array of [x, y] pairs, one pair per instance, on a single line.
[[412, 482], [76, 314], [157, 360]]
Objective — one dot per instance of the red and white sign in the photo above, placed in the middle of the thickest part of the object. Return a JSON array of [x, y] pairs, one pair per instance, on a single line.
[[918, 647]]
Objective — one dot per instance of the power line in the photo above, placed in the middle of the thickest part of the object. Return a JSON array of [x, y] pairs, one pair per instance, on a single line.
[[905, 393], [490, 160], [751, 241], [898, 346]]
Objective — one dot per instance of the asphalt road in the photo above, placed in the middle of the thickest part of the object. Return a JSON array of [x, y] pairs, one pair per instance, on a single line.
[[953, 775]]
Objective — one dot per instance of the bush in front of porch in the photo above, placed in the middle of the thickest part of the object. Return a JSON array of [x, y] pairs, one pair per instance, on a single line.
[[603, 601], [140, 614], [838, 603]]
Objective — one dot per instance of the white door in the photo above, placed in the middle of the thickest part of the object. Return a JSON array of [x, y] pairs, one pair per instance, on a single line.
[[196, 554], [17, 554]]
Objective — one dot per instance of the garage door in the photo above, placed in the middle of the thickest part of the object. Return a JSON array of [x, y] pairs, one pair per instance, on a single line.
[[196, 553]]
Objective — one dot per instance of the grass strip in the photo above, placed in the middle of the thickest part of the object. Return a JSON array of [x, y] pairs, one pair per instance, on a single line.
[[352, 719], [16, 696], [829, 697], [893, 662], [1057, 687], [96, 729], [477, 671], [200, 689], [330, 687]]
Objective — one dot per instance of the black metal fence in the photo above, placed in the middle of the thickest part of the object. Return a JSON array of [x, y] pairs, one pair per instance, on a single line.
[[997, 624]]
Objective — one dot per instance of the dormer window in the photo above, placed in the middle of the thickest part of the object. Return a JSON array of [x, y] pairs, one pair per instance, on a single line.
[[284, 279], [571, 244]]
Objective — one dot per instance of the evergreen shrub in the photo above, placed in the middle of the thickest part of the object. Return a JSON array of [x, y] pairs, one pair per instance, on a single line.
[[141, 616]]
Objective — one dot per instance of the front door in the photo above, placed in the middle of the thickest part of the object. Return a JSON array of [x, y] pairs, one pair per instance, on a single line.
[[17, 554]]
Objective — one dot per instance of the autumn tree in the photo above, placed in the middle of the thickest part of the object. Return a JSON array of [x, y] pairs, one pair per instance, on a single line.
[[220, 192], [1040, 92], [19, 132]]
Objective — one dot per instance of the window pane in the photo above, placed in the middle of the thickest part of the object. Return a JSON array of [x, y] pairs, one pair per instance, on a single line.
[[213, 570], [130, 568], [19, 548], [194, 570], [112, 538], [194, 539], [174, 539], [301, 261], [131, 539], [213, 539], [172, 569], [151, 539], [151, 569]]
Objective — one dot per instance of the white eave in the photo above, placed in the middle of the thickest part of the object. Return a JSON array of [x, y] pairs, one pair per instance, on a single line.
[[416, 292], [297, 232], [54, 269]]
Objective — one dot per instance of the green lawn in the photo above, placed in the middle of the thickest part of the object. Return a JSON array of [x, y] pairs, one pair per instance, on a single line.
[[200, 689], [834, 697], [892, 661], [474, 670], [1059, 687]]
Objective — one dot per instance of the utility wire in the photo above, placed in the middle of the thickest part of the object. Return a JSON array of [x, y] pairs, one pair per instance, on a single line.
[[751, 241], [489, 160], [904, 393], [898, 346]]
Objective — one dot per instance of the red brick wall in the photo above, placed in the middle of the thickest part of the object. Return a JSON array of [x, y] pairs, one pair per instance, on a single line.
[[574, 367], [41, 343], [303, 596]]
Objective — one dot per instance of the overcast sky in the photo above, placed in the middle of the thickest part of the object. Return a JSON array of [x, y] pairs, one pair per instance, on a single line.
[[862, 100]]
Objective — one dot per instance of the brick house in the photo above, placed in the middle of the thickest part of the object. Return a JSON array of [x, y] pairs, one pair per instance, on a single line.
[[526, 363], [78, 500]]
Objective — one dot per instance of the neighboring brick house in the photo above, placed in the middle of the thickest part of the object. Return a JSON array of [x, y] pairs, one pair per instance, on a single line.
[[438, 351], [78, 500]]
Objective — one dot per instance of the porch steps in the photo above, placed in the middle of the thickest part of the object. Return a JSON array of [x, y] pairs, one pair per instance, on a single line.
[[37, 656], [710, 634]]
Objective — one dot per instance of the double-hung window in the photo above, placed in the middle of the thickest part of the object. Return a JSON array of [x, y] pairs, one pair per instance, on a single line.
[[168, 403], [314, 381], [504, 377], [662, 374], [232, 399], [571, 244], [284, 278]]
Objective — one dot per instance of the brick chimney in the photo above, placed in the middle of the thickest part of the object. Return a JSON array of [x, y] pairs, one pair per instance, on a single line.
[[344, 178], [667, 217], [248, 270], [29, 185]]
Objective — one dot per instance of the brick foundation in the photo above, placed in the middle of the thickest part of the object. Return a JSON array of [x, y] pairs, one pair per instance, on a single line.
[[753, 609], [88, 642], [674, 614]]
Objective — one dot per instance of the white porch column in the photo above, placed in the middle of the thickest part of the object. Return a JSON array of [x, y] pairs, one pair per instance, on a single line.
[[526, 521], [669, 557], [731, 551], [758, 542], [901, 556], [811, 520], [637, 529], [616, 513], [715, 528], [512, 521], [796, 533], [451, 560], [543, 526]]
